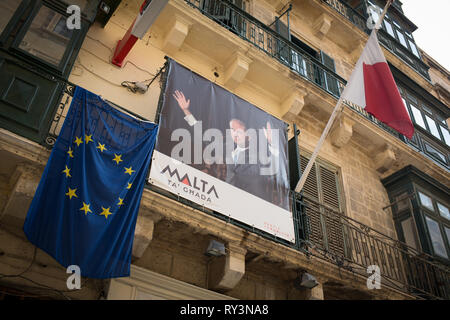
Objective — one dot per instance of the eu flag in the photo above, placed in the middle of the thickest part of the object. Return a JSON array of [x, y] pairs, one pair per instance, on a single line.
[[85, 208]]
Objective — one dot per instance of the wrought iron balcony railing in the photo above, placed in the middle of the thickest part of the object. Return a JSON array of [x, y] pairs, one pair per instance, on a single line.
[[355, 246], [386, 39], [271, 42]]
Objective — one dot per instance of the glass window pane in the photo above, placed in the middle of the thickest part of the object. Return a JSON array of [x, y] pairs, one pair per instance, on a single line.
[[426, 201], [434, 152], [433, 128], [389, 29], [401, 38], [446, 135], [7, 9], [443, 211], [414, 48], [417, 116], [47, 37], [447, 232], [436, 238], [409, 233]]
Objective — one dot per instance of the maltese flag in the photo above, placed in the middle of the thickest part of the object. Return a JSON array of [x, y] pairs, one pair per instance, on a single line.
[[372, 87]]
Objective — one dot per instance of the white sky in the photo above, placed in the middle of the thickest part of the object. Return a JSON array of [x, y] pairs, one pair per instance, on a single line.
[[432, 18]]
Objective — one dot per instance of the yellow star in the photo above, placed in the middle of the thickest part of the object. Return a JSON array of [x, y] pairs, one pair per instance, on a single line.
[[67, 172], [117, 158], [70, 152], [86, 208], [129, 170], [129, 185], [105, 212], [71, 193], [88, 138], [78, 141], [120, 202], [101, 147]]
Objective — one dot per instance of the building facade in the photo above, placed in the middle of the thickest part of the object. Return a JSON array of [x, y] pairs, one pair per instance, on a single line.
[[373, 197]]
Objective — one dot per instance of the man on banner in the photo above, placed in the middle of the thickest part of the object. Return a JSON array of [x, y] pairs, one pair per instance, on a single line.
[[85, 208], [243, 168]]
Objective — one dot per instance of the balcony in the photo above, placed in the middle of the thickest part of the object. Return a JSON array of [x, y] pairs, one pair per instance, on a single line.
[[354, 246], [386, 39], [321, 232]]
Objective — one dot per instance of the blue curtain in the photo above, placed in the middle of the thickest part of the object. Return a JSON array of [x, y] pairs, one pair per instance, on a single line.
[[85, 208]]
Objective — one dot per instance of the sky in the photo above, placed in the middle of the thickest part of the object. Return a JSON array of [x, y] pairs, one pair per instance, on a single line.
[[432, 19]]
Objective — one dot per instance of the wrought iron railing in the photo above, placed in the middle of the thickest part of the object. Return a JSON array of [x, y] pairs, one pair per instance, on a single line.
[[270, 42], [355, 246], [386, 40]]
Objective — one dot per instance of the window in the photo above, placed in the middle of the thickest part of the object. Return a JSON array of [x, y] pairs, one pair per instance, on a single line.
[[389, 29], [7, 9], [436, 237], [446, 134], [433, 127], [48, 37], [413, 48], [401, 38], [443, 211], [417, 116], [426, 201], [434, 152]]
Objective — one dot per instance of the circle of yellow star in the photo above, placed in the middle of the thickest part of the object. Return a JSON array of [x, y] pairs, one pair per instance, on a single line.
[[67, 172], [117, 158], [101, 147], [105, 212], [86, 208], [78, 141], [129, 185], [120, 202], [129, 170], [70, 152], [71, 193], [88, 138]]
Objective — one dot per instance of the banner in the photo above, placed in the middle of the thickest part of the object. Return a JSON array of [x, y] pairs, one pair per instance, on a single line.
[[223, 153], [85, 208]]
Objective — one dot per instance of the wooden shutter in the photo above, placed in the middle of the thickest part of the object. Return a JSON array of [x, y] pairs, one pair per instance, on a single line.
[[310, 188], [329, 187], [323, 204]]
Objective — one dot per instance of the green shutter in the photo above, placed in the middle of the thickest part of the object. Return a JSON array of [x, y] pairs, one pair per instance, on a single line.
[[331, 84], [321, 192]]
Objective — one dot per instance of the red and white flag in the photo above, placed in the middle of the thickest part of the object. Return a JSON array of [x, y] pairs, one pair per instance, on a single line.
[[372, 87]]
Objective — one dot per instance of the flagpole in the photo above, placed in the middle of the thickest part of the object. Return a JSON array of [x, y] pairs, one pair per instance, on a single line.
[[336, 111]]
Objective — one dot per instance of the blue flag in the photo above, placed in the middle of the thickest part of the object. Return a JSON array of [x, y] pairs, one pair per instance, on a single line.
[[85, 208]]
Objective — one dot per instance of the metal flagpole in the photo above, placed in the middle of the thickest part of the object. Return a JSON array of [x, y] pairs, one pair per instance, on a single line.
[[337, 110]]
